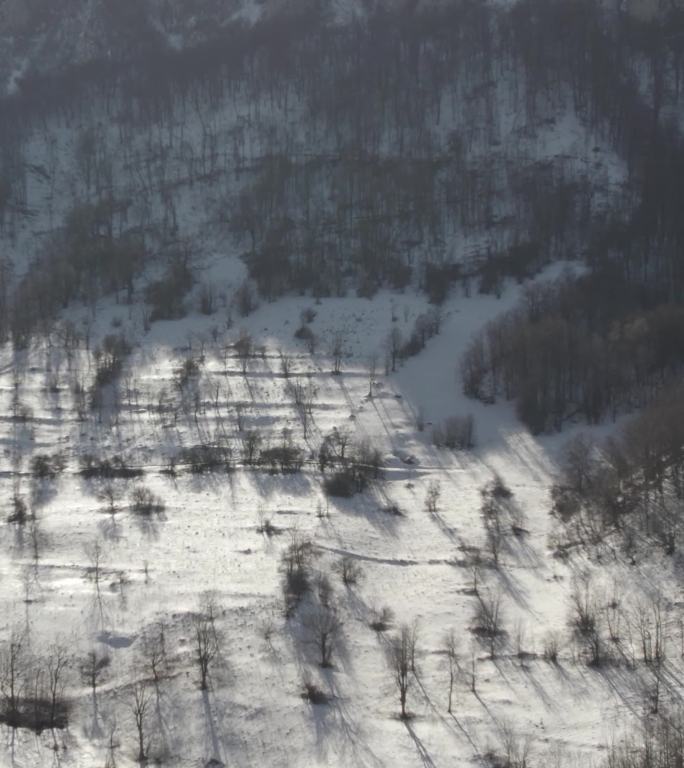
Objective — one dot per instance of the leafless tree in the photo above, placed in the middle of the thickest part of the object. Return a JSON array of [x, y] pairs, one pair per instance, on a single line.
[[93, 668], [372, 371], [155, 654], [350, 571], [489, 619], [400, 653], [57, 665], [12, 673], [323, 625], [432, 496], [394, 342], [451, 651], [139, 707], [285, 364], [206, 644], [94, 571], [109, 494], [337, 351], [244, 347]]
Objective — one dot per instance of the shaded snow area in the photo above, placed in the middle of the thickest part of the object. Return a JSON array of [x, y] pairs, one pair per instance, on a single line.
[[94, 574]]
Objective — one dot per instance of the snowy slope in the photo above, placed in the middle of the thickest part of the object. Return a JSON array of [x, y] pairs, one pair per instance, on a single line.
[[420, 565]]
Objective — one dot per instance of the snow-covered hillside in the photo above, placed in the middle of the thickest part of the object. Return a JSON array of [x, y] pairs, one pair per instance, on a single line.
[[245, 247], [159, 570]]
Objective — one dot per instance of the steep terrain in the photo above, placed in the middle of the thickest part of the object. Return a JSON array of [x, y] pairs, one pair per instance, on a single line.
[[315, 321]]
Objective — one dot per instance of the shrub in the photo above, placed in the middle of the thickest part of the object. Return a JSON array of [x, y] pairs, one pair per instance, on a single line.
[[382, 619], [350, 571], [205, 458], [295, 562], [312, 693], [144, 502], [166, 295], [19, 513], [107, 469], [341, 484], [287, 459], [44, 466], [551, 648], [457, 433], [109, 359]]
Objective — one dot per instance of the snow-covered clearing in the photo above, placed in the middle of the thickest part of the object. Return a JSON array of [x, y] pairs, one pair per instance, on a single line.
[[421, 565]]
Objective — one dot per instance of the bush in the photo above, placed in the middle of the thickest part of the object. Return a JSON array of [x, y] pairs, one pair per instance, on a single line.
[[110, 358], [457, 432], [166, 295], [108, 469], [341, 484], [308, 315], [44, 466], [35, 713], [350, 571], [189, 370], [313, 694], [295, 563], [305, 334], [205, 458], [144, 502], [551, 648], [382, 619], [19, 514], [287, 459]]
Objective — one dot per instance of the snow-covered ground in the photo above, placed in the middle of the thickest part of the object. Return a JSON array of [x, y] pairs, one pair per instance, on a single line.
[[421, 565]]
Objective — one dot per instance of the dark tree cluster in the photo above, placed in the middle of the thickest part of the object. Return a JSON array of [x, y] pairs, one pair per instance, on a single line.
[[632, 483], [403, 109], [90, 257], [32, 687], [586, 347], [351, 466]]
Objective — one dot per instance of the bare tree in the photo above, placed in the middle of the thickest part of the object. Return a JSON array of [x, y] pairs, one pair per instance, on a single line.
[[451, 651], [432, 496], [155, 654], [57, 667], [139, 707], [244, 347], [206, 644], [92, 670], [94, 572], [109, 494], [110, 762], [285, 364], [489, 619], [12, 672], [394, 342], [337, 352], [400, 655], [372, 370], [251, 446], [350, 571], [323, 625]]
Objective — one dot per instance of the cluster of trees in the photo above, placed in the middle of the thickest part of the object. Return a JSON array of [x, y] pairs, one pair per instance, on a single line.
[[166, 294], [659, 743], [32, 686], [631, 483], [576, 347], [352, 466], [92, 255], [398, 348], [407, 122], [456, 432]]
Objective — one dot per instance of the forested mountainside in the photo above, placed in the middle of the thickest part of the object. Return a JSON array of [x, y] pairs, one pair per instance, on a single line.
[[342, 347], [420, 145]]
